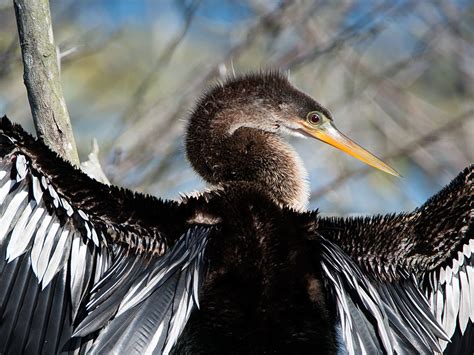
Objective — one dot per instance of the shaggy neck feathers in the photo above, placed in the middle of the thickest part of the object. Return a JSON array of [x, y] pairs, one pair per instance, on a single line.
[[229, 139]]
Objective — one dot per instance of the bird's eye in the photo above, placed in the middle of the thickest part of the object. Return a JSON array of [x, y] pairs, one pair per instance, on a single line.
[[314, 118]]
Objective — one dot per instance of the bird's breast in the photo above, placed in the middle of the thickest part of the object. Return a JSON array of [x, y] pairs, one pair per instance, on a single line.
[[262, 293]]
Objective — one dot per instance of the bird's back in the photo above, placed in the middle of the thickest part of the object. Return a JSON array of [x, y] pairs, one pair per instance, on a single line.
[[262, 293]]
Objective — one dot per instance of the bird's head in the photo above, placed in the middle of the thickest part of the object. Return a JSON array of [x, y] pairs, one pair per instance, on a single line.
[[268, 102]]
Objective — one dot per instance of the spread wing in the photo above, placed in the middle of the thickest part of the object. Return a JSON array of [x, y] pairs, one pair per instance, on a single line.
[[86, 266], [417, 268], [150, 308], [378, 317]]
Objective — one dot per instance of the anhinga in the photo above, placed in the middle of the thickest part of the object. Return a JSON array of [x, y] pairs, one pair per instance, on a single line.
[[241, 268]]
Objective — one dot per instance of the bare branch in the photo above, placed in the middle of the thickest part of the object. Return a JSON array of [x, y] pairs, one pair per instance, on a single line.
[[133, 108], [359, 31], [42, 78]]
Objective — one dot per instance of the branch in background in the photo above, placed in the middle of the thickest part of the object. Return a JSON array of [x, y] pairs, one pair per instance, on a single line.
[[132, 112], [42, 78], [361, 30], [145, 128]]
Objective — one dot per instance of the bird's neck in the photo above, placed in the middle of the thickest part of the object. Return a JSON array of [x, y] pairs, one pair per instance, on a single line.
[[221, 151]]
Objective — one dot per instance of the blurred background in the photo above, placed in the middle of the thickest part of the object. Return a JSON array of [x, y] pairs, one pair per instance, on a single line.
[[398, 77]]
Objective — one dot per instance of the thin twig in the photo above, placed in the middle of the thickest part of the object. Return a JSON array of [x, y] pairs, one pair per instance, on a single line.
[[133, 109]]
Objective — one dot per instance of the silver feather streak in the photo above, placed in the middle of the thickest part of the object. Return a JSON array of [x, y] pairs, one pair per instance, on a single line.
[[376, 317], [153, 311]]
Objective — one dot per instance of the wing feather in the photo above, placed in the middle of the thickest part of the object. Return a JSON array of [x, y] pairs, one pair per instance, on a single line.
[[63, 239], [423, 260], [153, 310], [377, 317]]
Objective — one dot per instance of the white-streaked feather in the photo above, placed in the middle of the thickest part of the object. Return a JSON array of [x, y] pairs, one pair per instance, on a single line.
[[177, 323], [442, 276], [451, 307], [151, 348], [5, 189], [43, 259], [88, 230], [67, 207], [44, 182], [189, 308], [105, 263], [56, 258], [461, 258], [94, 237], [432, 301], [443, 344], [54, 195], [77, 270], [455, 267], [99, 264], [103, 240], [439, 305], [449, 274], [16, 244], [37, 190], [456, 299], [465, 303], [181, 264], [344, 313], [346, 330], [196, 286], [433, 281], [21, 167], [10, 212], [138, 293], [470, 277], [135, 296], [39, 242], [466, 250], [74, 259], [83, 215]]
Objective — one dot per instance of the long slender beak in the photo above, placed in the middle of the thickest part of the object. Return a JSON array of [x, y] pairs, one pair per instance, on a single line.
[[327, 133]]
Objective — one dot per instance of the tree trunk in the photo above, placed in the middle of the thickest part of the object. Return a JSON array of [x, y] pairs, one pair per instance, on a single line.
[[42, 77]]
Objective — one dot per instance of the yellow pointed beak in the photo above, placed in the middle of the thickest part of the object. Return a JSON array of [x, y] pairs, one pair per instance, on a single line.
[[327, 133]]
